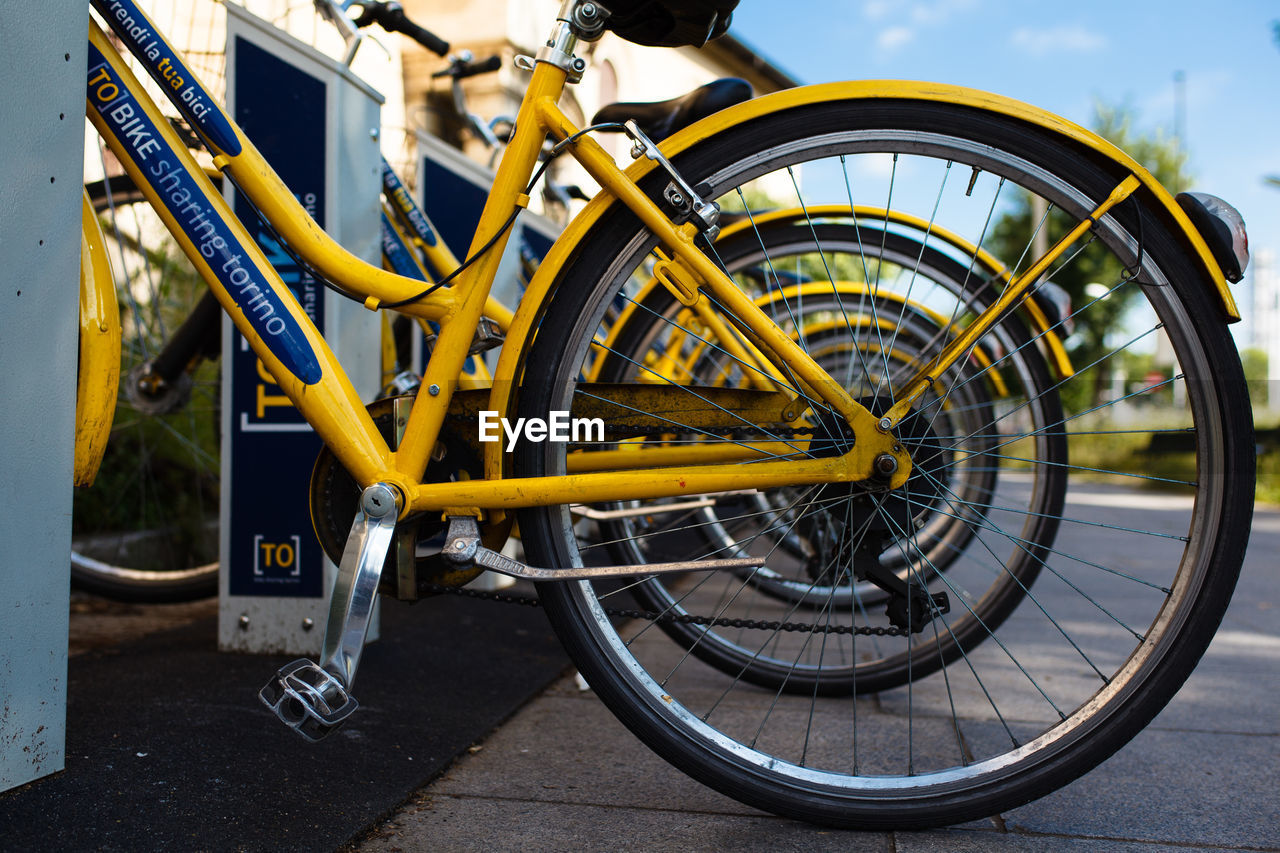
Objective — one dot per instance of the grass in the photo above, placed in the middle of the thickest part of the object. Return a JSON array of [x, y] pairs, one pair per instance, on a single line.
[[1268, 458], [1104, 452]]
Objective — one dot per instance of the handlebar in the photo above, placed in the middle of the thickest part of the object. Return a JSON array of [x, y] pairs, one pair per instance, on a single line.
[[459, 68], [391, 17]]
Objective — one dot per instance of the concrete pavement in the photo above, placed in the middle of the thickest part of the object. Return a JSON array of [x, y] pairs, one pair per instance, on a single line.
[[564, 774], [168, 749]]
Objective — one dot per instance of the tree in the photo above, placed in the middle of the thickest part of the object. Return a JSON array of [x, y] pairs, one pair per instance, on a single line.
[[1254, 362], [1013, 233]]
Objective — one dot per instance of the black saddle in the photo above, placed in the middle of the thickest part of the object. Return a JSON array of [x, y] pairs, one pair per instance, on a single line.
[[660, 119], [670, 23]]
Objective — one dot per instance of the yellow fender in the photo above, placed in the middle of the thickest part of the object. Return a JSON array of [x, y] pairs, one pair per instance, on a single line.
[[99, 374], [858, 289], [1049, 341], [544, 281]]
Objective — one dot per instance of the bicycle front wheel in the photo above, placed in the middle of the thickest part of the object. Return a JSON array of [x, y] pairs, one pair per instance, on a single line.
[[147, 531], [1119, 582]]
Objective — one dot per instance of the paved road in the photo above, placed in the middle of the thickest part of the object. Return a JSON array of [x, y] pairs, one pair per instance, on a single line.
[[563, 774]]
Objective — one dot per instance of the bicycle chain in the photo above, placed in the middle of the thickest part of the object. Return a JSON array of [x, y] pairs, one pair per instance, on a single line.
[[681, 619]]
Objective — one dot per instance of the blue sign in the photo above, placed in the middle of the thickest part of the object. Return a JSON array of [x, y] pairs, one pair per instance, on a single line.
[[273, 551], [397, 252], [180, 85], [400, 197], [189, 206]]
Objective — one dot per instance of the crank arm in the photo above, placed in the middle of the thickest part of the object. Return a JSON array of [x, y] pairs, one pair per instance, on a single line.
[[314, 699], [356, 589]]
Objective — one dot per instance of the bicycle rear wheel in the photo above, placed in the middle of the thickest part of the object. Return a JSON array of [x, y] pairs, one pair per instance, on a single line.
[[781, 260], [1126, 597]]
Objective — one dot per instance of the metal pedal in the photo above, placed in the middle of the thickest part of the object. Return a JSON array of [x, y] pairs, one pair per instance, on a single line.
[[462, 548], [914, 611], [487, 336], [311, 698], [307, 699]]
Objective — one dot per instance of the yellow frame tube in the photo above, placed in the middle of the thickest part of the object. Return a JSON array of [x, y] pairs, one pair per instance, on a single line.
[[1012, 293], [635, 485], [330, 405], [637, 455], [741, 349], [254, 177], [538, 117], [679, 241], [518, 164]]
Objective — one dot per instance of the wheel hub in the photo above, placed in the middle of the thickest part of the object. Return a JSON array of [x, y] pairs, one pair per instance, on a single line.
[[867, 519]]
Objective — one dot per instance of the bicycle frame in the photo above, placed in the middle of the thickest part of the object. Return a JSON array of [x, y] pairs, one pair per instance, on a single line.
[[266, 313], [400, 211]]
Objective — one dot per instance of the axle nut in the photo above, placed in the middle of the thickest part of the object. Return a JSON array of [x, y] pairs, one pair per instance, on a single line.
[[886, 465]]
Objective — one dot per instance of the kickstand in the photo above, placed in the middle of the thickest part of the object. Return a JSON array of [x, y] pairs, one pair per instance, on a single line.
[[314, 699]]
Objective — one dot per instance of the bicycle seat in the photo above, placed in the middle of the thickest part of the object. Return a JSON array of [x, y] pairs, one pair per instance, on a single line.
[[660, 119]]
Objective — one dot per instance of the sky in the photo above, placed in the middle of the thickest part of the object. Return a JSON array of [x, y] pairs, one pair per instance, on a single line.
[[1066, 57]]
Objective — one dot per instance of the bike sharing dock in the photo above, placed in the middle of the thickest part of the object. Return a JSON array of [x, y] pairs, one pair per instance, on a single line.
[[146, 707]]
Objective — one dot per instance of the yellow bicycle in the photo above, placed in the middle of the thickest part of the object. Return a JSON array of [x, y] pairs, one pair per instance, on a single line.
[[863, 417]]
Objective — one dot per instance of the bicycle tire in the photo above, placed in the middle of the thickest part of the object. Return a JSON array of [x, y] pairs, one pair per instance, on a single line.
[[939, 536], [883, 765], [147, 531]]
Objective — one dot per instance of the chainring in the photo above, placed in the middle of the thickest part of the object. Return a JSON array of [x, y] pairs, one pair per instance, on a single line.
[[335, 497]]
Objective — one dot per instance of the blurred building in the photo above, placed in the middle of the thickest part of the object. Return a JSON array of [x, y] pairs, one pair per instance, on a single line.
[[401, 70], [617, 70]]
